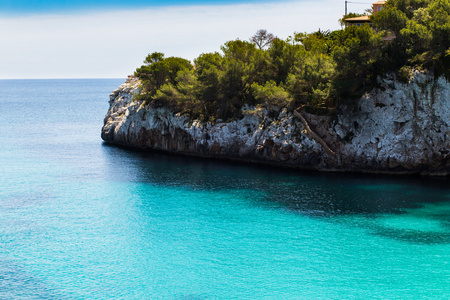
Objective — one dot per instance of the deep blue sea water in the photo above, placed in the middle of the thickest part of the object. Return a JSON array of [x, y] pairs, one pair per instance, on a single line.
[[83, 220]]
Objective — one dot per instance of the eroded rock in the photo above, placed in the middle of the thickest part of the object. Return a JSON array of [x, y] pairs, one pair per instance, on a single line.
[[399, 128]]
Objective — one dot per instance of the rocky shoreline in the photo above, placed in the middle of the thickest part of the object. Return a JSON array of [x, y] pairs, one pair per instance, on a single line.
[[399, 128]]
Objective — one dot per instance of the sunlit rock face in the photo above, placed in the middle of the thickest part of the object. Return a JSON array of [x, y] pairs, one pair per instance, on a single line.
[[400, 126], [397, 128]]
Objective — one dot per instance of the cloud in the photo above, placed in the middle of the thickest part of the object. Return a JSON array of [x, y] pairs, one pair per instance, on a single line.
[[113, 43]]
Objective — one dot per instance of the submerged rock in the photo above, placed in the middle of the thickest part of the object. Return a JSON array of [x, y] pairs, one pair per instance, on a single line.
[[397, 128]]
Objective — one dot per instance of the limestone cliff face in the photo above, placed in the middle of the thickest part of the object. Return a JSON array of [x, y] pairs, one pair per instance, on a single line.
[[399, 128]]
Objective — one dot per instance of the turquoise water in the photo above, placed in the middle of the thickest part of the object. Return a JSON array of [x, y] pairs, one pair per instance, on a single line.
[[83, 220]]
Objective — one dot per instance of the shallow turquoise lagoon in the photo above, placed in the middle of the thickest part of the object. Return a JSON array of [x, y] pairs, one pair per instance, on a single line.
[[83, 220]]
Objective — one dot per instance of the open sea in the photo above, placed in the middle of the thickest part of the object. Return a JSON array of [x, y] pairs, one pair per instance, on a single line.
[[83, 220]]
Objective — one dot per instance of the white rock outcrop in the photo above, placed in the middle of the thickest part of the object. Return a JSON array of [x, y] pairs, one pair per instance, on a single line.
[[404, 126], [397, 128]]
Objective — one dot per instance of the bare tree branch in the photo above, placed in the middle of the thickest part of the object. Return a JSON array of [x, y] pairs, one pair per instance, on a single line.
[[262, 38]]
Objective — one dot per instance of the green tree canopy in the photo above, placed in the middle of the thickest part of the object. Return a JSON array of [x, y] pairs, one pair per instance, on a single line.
[[317, 70]]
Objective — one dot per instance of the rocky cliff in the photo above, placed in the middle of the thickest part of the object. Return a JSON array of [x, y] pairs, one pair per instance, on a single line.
[[397, 128]]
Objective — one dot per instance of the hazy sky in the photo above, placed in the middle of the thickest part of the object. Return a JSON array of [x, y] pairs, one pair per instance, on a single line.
[[109, 39]]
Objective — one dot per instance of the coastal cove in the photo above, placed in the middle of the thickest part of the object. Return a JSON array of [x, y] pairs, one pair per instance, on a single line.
[[81, 219]]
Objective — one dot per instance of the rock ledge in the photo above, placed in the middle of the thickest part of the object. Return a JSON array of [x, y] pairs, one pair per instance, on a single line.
[[397, 128]]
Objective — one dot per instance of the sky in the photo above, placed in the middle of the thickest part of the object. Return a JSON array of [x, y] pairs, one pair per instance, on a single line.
[[110, 39]]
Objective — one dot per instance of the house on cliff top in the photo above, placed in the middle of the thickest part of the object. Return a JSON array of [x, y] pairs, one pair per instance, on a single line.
[[359, 21]]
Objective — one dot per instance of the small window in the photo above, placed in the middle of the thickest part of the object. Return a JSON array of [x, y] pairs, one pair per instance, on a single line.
[[380, 8]]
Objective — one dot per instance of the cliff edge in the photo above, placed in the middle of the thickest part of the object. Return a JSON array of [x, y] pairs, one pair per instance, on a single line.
[[399, 128]]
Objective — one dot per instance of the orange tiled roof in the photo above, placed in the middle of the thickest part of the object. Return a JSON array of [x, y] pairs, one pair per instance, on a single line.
[[358, 19]]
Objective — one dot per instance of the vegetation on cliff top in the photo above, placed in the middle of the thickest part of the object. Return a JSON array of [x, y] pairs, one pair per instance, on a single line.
[[319, 70]]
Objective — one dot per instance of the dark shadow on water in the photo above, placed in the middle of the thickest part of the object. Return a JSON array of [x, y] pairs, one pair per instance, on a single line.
[[319, 195], [304, 191], [413, 236]]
